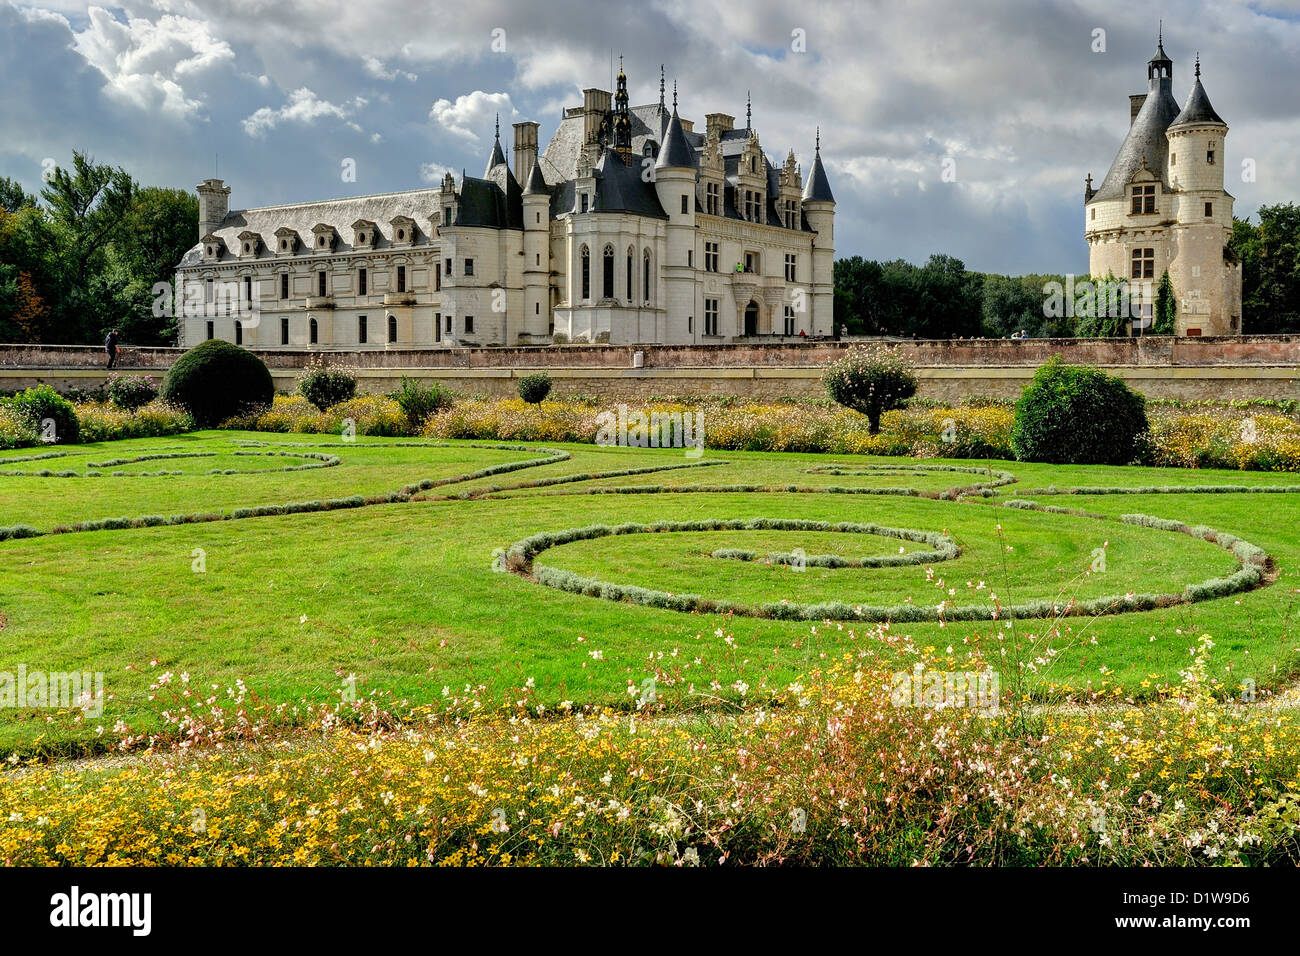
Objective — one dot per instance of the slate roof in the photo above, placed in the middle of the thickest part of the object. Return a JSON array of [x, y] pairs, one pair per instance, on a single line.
[[620, 188], [1145, 139], [675, 151], [817, 187], [1197, 109], [418, 204]]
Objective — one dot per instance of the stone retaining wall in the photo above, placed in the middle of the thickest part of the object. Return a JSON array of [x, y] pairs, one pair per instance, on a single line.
[[1159, 366]]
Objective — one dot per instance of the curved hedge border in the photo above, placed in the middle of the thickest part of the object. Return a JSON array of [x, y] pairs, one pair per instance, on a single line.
[[519, 559], [320, 461]]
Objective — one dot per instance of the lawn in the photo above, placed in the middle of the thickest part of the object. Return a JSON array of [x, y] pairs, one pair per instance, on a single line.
[[403, 589]]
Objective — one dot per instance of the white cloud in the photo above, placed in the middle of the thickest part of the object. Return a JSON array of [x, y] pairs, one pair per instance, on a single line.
[[375, 67], [471, 114], [433, 172], [304, 107], [144, 61]]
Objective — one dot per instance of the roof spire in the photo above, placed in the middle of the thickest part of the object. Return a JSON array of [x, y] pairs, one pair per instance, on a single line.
[[749, 111], [1198, 64], [674, 94], [661, 86], [818, 148]]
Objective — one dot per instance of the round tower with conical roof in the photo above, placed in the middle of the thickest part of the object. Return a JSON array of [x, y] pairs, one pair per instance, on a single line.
[[537, 257], [819, 210], [674, 175], [1162, 207], [1207, 288]]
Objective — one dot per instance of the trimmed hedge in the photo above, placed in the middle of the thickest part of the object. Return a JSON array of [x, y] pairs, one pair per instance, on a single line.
[[217, 380]]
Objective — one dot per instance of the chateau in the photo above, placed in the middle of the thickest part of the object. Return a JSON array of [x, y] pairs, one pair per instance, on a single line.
[[631, 227], [1162, 207]]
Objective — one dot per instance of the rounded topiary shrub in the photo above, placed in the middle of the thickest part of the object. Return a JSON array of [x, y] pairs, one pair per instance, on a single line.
[[325, 387], [871, 379], [1072, 414], [534, 388], [216, 380], [52, 415]]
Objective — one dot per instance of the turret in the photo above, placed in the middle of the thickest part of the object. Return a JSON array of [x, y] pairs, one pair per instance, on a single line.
[[1203, 282], [675, 185], [819, 210], [537, 255]]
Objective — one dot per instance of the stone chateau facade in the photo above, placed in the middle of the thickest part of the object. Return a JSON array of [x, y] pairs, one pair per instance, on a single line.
[[1163, 207], [631, 227]]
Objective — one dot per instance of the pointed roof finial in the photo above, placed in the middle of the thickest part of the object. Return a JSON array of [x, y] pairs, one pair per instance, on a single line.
[[674, 94], [749, 111], [819, 140], [1198, 64], [1160, 37], [498, 126], [620, 63], [661, 86]]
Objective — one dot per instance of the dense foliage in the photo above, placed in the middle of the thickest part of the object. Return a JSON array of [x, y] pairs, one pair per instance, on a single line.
[[420, 401], [84, 257], [216, 380], [49, 413], [1072, 414], [1269, 254]]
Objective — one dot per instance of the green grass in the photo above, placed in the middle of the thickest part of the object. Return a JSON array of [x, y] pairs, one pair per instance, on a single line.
[[405, 596]]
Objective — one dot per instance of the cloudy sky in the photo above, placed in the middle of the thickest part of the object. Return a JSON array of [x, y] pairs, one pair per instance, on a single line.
[[1018, 96]]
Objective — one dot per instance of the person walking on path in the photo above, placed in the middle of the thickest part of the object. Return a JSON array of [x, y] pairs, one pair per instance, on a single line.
[[110, 346]]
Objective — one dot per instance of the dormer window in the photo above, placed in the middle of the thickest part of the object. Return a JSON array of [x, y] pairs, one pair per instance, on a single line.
[[1144, 200], [324, 237], [286, 240], [403, 230], [250, 243], [365, 233], [213, 246]]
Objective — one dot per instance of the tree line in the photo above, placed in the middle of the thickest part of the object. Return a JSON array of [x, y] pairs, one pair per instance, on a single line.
[[83, 257]]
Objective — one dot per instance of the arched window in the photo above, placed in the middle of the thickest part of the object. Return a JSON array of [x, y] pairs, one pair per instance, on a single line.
[[645, 276], [239, 332], [392, 328], [607, 274], [631, 276], [311, 326], [586, 273]]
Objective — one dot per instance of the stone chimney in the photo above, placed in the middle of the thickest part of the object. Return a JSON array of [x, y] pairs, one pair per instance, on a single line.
[[214, 203], [1135, 101], [595, 104], [718, 123], [525, 150]]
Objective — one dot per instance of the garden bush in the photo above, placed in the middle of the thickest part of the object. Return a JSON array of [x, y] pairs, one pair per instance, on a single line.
[[42, 403], [534, 388], [130, 392], [1072, 414], [16, 431], [216, 380], [419, 401], [325, 387], [871, 379]]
